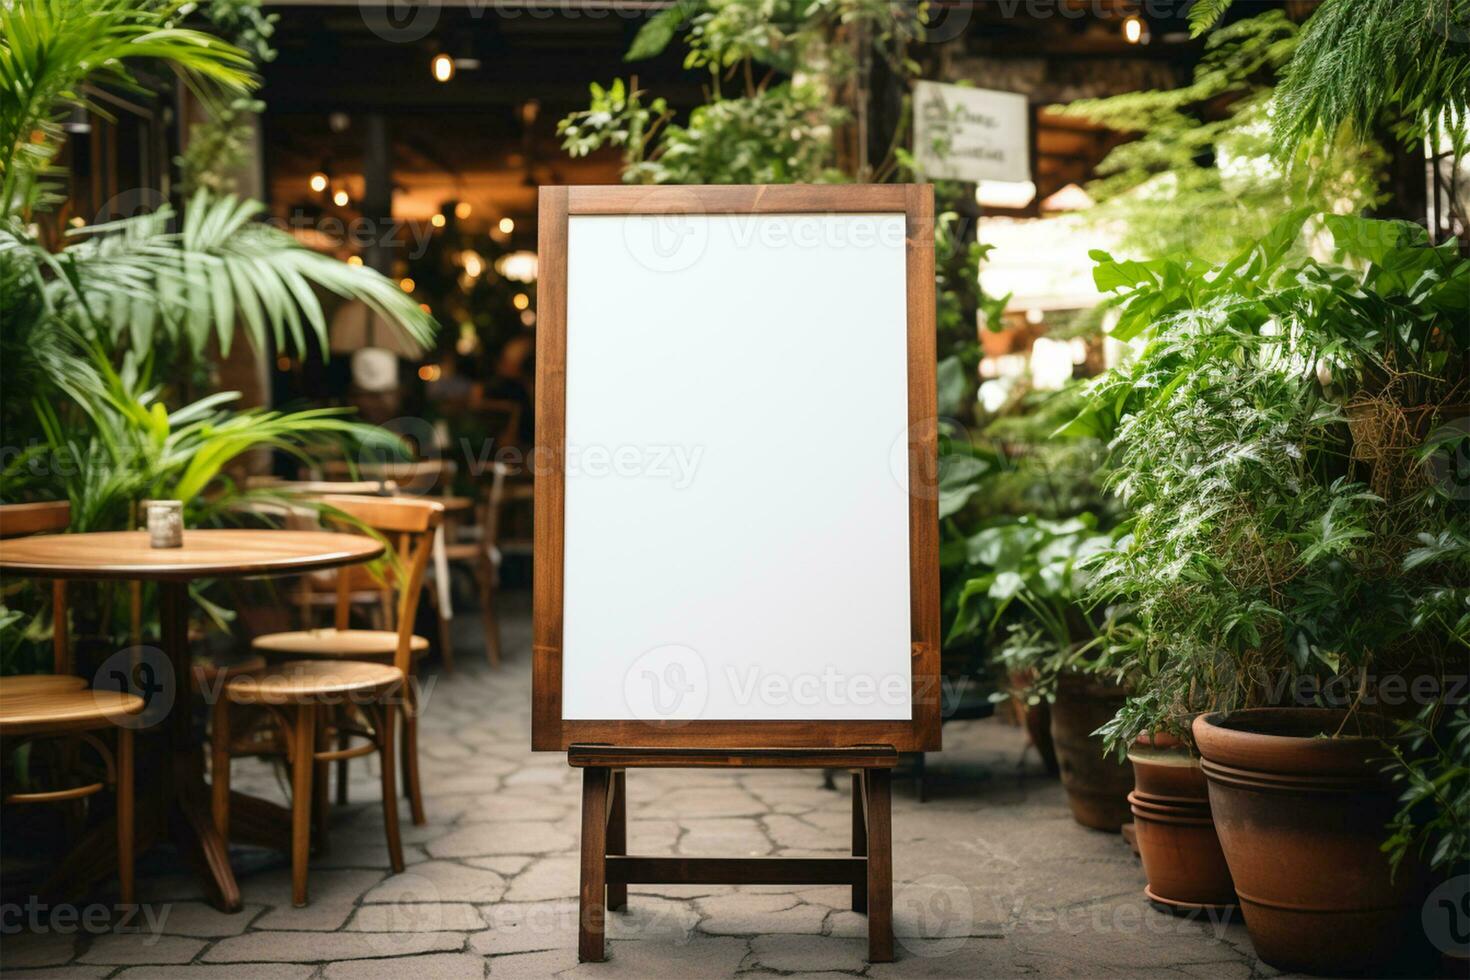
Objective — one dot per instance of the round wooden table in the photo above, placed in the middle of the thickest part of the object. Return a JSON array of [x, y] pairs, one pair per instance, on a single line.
[[127, 555]]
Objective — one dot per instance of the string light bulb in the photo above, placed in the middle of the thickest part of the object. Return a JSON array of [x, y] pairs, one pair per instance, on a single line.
[[340, 198], [437, 220], [317, 182], [507, 225], [521, 301], [442, 67], [407, 284], [462, 210], [1133, 29]]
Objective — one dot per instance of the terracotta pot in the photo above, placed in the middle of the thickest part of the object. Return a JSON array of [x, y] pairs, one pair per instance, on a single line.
[[1181, 854], [1301, 818], [1035, 718], [1038, 726], [1097, 786], [1168, 775]]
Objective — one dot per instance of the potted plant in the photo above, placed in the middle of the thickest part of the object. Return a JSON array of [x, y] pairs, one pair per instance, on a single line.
[[1030, 577], [105, 328], [1274, 589]]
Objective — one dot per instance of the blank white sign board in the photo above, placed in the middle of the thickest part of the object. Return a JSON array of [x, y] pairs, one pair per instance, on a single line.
[[736, 519]]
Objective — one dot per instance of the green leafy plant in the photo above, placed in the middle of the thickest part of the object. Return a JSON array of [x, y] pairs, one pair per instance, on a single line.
[[1432, 764], [1368, 62], [778, 73], [1264, 546], [1202, 179], [87, 327]]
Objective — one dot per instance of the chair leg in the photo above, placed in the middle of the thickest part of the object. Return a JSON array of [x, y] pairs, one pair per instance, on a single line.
[[320, 805], [343, 741], [387, 722], [219, 770], [411, 765], [125, 833], [446, 644], [487, 611], [303, 762]]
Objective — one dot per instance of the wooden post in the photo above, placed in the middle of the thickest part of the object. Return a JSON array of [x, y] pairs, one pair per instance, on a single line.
[[880, 864], [859, 841], [617, 834], [591, 895], [607, 869]]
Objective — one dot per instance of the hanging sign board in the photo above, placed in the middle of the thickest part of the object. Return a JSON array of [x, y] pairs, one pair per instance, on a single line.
[[971, 134], [736, 519]]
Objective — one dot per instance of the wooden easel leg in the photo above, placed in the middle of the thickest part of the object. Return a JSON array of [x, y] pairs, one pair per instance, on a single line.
[[859, 841], [617, 833], [880, 865], [590, 908]]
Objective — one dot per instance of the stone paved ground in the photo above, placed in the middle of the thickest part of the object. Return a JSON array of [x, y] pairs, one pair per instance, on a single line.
[[992, 877]]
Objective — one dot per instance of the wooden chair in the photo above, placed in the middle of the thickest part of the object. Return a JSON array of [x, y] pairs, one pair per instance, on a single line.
[[318, 590], [481, 552], [346, 683], [42, 706], [18, 520], [430, 479]]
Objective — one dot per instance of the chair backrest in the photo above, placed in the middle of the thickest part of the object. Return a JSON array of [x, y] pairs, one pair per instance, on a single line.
[[422, 477], [17, 520], [384, 488], [408, 523], [46, 515]]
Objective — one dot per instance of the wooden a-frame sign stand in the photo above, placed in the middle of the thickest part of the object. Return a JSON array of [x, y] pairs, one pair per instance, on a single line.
[[605, 749]]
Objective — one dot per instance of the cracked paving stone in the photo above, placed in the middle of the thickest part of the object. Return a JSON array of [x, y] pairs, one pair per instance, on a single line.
[[436, 916], [73, 972], [434, 966], [28, 950], [527, 927], [440, 881], [201, 971], [308, 947], [506, 864], [798, 954], [746, 914], [204, 921], [332, 895], [547, 878], [509, 837], [130, 949]]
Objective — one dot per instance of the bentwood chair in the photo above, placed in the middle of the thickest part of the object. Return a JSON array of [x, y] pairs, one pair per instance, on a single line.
[[430, 479], [18, 520], [37, 708], [343, 684]]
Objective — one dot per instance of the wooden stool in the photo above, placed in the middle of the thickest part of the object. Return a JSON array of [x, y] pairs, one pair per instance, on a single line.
[[608, 870]]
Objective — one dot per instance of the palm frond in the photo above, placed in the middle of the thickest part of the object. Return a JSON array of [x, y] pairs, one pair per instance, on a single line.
[[134, 280], [48, 48]]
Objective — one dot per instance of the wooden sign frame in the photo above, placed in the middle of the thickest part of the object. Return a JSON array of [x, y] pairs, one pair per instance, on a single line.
[[549, 730]]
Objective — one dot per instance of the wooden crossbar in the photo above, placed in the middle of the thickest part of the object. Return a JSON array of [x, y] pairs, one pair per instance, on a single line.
[[637, 870]]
